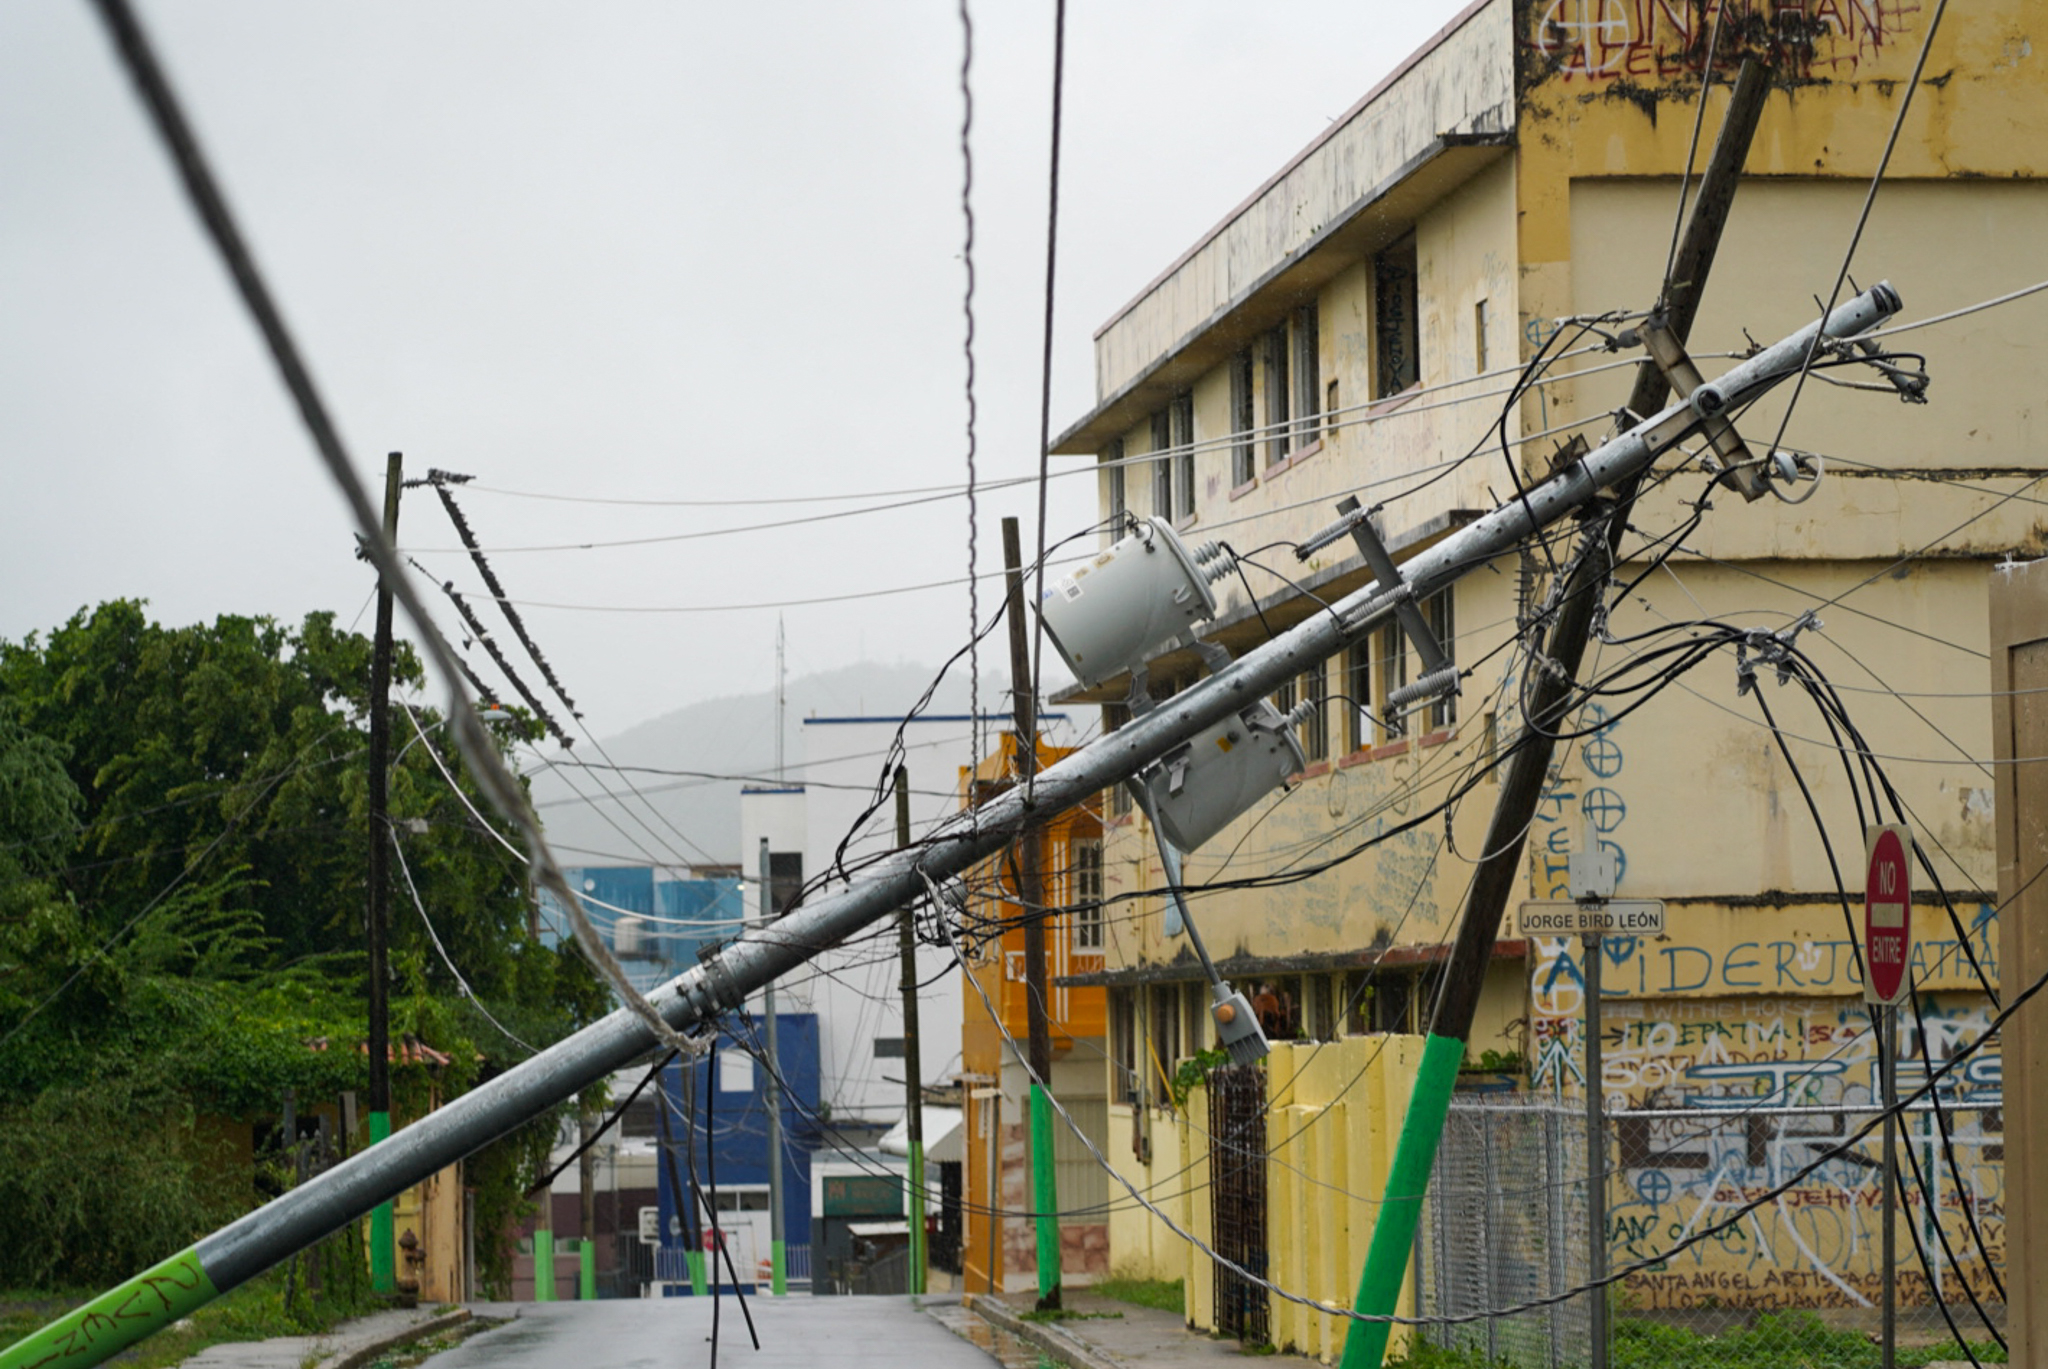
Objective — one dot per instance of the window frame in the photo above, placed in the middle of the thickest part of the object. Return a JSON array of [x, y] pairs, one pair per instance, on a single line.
[[1396, 319], [1307, 371], [1440, 611], [1181, 430], [1358, 677], [1084, 892], [1277, 394], [1313, 685], [1162, 465], [1243, 420], [1119, 493]]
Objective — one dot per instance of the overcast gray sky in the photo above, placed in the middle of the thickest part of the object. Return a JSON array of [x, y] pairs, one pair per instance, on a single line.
[[625, 251]]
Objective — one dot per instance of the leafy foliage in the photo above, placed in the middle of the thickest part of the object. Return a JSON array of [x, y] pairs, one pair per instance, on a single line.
[[183, 846]]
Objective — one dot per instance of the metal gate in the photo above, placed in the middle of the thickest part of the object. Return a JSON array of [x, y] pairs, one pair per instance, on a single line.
[[1237, 1167]]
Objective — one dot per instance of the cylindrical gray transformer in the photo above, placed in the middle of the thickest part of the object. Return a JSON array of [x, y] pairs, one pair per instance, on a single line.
[[1108, 615]]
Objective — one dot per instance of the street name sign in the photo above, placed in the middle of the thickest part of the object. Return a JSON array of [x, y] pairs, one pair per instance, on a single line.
[[1614, 917], [1887, 915]]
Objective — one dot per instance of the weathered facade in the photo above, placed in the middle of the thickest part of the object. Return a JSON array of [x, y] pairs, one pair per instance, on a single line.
[[1361, 324], [1000, 1252]]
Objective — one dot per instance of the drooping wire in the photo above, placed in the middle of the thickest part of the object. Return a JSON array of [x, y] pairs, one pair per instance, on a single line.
[[967, 351], [1052, 239]]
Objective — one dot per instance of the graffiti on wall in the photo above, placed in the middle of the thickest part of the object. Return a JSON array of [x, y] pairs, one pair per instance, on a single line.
[[1656, 40], [1575, 804], [1741, 1069]]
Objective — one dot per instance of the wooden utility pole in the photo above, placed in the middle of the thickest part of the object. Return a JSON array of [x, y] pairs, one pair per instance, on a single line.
[[383, 1273], [913, 1059], [1031, 899], [1500, 873]]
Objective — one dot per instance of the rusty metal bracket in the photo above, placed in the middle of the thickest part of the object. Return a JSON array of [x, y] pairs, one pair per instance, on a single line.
[[1738, 467]]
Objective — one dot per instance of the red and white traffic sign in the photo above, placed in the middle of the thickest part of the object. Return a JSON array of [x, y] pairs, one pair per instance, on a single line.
[[1887, 915]]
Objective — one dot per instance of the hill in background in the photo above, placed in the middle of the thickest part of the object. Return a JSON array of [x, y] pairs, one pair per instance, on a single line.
[[723, 744]]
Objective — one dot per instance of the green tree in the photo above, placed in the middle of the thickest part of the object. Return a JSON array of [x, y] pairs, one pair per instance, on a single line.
[[183, 848]]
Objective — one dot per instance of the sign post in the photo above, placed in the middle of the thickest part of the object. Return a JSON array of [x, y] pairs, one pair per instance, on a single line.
[[1887, 979], [1590, 915]]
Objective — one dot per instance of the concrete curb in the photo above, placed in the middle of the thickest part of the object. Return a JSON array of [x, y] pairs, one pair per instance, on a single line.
[[1047, 1336], [355, 1356]]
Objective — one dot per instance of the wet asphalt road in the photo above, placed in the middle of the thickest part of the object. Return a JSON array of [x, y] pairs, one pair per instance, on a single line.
[[674, 1333]]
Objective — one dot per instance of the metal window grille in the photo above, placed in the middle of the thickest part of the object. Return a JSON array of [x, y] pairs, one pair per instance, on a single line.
[[1243, 418], [1315, 728], [1085, 868], [1237, 1168], [1162, 468], [1308, 384], [1118, 504], [1182, 412], [1358, 692], [1443, 622], [1275, 362]]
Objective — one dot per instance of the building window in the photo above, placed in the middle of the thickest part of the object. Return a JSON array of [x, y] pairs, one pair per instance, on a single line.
[[1274, 360], [1284, 697], [1113, 717], [1358, 695], [1443, 622], [1084, 863], [1164, 1024], [1479, 322], [1396, 337], [1358, 1000], [1123, 1044], [1390, 677], [1315, 731], [1243, 418], [785, 879], [1162, 468], [1194, 1004], [1182, 412], [1118, 506], [1308, 381]]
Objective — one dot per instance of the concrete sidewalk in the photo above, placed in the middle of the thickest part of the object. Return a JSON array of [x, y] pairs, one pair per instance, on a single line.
[[1106, 1334], [348, 1346]]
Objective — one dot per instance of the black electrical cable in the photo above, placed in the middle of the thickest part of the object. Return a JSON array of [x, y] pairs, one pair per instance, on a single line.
[[620, 1111]]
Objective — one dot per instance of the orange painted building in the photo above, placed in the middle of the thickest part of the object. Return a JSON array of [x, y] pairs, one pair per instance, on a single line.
[[996, 1087]]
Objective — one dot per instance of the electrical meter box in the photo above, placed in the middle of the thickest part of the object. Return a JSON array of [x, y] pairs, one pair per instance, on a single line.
[[1197, 792]]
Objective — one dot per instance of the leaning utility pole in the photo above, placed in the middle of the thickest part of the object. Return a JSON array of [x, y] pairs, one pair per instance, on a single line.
[[712, 988], [1031, 900], [913, 1060], [1500, 871], [383, 1274]]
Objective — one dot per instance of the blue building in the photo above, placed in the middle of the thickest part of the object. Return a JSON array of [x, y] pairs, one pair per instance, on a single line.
[[725, 1095], [654, 926]]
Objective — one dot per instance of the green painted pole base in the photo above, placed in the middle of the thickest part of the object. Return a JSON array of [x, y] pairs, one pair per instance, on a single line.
[[695, 1260], [778, 1268], [117, 1318], [543, 1266], [1045, 1199], [917, 1233], [1393, 1235], [586, 1282], [383, 1239]]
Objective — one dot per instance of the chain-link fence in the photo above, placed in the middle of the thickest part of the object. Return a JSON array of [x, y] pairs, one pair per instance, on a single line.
[[1753, 1248], [1506, 1224]]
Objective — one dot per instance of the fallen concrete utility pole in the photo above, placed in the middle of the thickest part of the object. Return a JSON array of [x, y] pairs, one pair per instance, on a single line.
[[325, 1204]]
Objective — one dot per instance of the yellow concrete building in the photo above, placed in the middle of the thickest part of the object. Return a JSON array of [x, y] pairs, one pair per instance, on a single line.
[[1360, 325]]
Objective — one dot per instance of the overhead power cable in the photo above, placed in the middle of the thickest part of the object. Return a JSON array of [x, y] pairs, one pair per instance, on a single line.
[[490, 578], [483, 637]]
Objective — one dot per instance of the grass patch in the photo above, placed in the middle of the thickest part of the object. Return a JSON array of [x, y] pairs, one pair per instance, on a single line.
[[255, 1311], [1057, 1314], [1165, 1295], [1776, 1339]]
